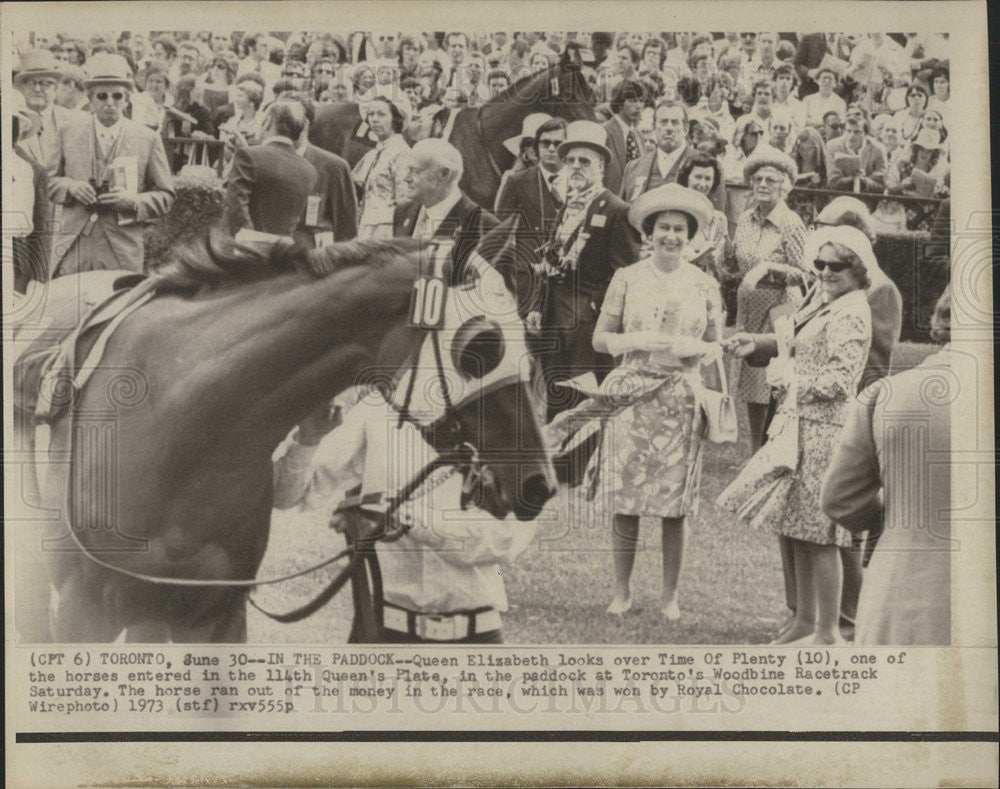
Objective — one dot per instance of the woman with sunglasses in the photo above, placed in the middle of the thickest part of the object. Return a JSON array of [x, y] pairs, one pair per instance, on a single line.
[[824, 347], [909, 118], [768, 247]]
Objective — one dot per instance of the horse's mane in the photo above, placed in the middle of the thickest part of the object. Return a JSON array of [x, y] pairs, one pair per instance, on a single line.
[[215, 258]]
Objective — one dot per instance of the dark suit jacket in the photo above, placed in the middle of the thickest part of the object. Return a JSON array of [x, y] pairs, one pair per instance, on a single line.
[[643, 174], [616, 144], [466, 223], [268, 188], [612, 243], [338, 209], [527, 194]]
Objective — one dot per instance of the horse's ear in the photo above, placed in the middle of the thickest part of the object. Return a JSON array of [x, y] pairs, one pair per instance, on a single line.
[[501, 249]]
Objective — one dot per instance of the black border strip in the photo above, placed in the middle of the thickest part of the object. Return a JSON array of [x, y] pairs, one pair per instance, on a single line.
[[29, 738]]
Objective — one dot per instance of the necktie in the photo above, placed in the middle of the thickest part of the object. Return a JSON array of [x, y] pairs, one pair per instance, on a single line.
[[423, 227], [554, 189], [631, 146]]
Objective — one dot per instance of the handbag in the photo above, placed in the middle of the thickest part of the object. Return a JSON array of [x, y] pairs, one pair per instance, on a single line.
[[721, 425]]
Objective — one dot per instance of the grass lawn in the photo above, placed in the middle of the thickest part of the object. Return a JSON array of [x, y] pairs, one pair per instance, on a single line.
[[730, 593]]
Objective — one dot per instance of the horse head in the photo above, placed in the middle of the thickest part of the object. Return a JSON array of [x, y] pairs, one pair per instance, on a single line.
[[468, 388]]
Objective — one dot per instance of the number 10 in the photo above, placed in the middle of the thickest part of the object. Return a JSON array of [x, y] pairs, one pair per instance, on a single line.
[[428, 301]]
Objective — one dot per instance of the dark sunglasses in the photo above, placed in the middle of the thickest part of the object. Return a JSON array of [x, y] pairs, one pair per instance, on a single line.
[[835, 267], [549, 143], [117, 96]]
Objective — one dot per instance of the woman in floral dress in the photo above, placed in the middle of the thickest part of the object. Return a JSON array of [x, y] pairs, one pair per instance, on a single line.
[[827, 341], [381, 173], [662, 315], [768, 244]]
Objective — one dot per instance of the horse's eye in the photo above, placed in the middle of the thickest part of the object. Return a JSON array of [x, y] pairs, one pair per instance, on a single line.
[[478, 348]]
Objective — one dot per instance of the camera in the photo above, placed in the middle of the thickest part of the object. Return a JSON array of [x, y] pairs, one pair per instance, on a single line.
[[99, 189]]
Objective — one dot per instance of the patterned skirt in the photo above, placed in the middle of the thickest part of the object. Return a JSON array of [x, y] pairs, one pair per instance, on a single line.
[[651, 454], [788, 504]]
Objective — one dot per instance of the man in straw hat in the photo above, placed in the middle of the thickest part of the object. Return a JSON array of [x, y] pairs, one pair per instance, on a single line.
[[38, 81], [591, 241], [111, 178]]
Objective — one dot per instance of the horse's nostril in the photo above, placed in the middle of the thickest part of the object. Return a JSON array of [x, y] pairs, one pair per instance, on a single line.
[[535, 491]]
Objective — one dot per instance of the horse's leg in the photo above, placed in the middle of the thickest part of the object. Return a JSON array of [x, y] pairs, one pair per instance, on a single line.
[[86, 611], [225, 623]]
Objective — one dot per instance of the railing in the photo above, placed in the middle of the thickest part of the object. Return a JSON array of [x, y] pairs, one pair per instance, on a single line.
[[920, 211]]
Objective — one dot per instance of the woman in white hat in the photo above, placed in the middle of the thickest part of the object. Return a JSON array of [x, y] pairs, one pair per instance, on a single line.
[[818, 355], [381, 173], [926, 156], [768, 244], [659, 317]]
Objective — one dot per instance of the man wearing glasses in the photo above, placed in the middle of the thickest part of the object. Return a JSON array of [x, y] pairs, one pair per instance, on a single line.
[[592, 240], [111, 177], [38, 80]]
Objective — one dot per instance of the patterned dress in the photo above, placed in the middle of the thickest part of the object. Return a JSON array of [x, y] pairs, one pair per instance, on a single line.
[[778, 237], [381, 174], [651, 453], [829, 355]]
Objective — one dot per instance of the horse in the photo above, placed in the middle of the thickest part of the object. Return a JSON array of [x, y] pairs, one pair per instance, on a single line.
[[478, 133], [172, 436]]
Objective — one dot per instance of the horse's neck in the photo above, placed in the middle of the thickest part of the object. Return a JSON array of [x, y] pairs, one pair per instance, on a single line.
[[303, 341]]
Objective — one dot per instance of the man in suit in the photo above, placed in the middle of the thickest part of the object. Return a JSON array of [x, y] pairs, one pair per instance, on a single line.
[[663, 164], [269, 184], [591, 241], [537, 193], [332, 209], [624, 139], [38, 81], [437, 208], [868, 173], [111, 178]]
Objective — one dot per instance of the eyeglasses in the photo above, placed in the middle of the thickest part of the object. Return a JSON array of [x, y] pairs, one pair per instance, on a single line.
[[764, 180], [549, 143], [39, 83], [117, 96], [583, 161], [836, 266]]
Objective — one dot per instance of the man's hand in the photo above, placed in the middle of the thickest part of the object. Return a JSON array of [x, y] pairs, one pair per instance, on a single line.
[[82, 192], [317, 424], [119, 199], [533, 320]]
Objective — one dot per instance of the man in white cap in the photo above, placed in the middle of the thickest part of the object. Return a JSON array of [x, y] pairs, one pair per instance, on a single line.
[[536, 193], [591, 241], [38, 81], [111, 178]]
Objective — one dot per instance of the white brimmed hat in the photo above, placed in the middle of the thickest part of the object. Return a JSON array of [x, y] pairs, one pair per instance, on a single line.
[[529, 128], [107, 69], [929, 140], [845, 235], [38, 63], [671, 197], [587, 134]]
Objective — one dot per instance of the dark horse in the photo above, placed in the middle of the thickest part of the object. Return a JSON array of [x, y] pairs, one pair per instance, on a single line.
[[561, 90], [174, 431]]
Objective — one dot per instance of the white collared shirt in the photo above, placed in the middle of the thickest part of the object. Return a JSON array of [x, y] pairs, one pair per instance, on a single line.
[[666, 160], [108, 135], [432, 216]]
